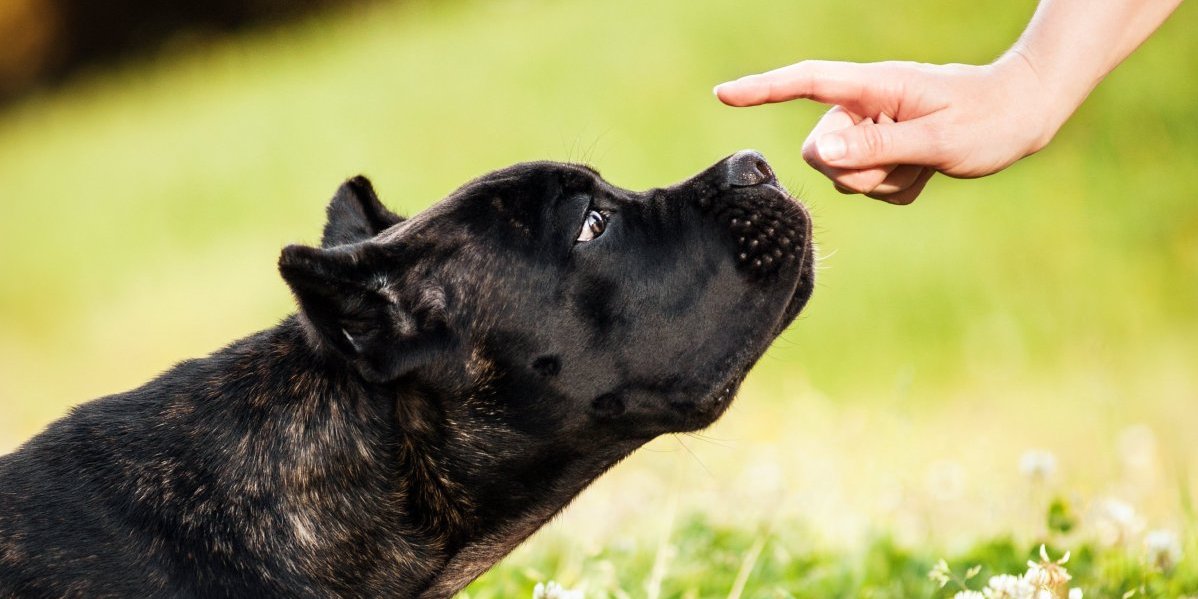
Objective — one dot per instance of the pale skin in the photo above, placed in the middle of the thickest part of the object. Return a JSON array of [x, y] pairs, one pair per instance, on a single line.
[[895, 124]]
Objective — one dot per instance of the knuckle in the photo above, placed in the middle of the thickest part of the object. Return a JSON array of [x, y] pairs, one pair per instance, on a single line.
[[873, 140], [816, 87], [811, 66], [767, 89]]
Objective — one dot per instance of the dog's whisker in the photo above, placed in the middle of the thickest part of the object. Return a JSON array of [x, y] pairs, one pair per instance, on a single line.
[[821, 256], [694, 455], [712, 440]]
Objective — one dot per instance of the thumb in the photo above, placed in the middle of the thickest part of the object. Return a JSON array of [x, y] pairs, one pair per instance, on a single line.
[[868, 144]]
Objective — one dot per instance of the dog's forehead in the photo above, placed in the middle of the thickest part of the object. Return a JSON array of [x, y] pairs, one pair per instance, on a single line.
[[527, 186], [569, 175], [537, 182]]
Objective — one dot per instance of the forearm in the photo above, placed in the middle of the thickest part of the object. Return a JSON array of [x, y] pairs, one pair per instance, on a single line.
[[1072, 44]]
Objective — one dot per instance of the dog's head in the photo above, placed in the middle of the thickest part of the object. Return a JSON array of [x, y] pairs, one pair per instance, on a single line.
[[554, 303]]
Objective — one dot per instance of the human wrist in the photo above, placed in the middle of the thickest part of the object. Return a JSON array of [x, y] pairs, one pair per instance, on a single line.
[[1045, 95]]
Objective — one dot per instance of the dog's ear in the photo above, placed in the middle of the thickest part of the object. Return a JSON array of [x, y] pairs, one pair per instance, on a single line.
[[356, 214], [352, 307]]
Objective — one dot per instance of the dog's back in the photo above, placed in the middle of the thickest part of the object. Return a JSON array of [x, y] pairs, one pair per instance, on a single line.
[[64, 523], [197, 485]]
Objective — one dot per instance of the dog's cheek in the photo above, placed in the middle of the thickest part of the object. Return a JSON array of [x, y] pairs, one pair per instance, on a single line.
[[600, 307], [609, 406]]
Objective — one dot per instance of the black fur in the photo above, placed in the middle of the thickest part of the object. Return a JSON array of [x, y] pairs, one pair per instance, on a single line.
[[356, 214], [451, 381]]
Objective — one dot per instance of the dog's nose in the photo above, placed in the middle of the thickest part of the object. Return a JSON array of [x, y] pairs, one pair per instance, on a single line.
[[747, 168]]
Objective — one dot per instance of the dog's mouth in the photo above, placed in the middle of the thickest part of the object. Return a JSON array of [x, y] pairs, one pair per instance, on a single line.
[[768, 233], [772, 231], [802, 293], [804, 255], [710, 407], [772, 247], [806, 281]]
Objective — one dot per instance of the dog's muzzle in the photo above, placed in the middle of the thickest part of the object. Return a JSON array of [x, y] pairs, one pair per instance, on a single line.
[[770, 229]]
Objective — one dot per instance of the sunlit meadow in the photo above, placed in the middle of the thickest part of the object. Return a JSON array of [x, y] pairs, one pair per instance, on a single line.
[[1007, 363]]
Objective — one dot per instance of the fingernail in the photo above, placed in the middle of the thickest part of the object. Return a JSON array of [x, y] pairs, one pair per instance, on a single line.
[[831, 147], [716, 90]]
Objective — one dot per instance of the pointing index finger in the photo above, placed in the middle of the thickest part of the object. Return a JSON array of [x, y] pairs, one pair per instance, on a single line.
[[829, 82]]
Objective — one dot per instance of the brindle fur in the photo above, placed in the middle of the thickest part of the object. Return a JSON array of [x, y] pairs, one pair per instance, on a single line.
[[450, 382]]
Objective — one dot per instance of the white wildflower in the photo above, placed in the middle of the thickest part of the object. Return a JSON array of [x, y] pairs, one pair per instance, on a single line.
[[1117, 522], [1049, 578], [1075, 593], [553, 590], [1037, 465], [1163, 549], [969, 595], [940, 574], [1006, 586]]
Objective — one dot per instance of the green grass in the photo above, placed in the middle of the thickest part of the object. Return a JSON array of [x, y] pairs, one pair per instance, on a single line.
[[700, 559], [1054, 305]]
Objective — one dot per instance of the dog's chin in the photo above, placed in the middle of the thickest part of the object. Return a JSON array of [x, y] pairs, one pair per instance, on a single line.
[[695, 414]]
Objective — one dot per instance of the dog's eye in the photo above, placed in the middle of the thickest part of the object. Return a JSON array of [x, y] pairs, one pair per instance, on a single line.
[[593, 226]]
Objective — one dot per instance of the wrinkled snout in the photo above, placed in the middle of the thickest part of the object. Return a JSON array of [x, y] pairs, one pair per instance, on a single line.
[[770, 230]]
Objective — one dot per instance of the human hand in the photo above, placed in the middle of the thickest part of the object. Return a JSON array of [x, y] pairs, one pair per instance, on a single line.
[[895, 124]]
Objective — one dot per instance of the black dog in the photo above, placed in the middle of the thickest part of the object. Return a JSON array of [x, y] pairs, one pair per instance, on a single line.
[[450, 383]]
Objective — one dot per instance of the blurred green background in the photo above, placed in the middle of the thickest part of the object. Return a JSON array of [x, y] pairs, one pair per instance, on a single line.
[[1053, 305]]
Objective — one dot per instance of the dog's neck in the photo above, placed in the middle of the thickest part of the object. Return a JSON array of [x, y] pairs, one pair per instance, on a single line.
[[429, 492], [484, 486], [511, 506], [508, 499]]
